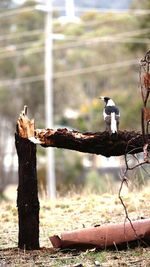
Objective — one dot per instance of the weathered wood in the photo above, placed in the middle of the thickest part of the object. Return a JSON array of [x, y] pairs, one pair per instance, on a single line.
[[95, 143], [100, 143], [25, 126], [27, 198]]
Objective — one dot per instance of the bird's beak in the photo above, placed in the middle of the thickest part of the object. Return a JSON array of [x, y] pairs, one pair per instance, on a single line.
[[101, 97]]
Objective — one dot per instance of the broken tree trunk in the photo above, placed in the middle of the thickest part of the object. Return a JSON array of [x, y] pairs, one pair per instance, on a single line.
[[27, 138], [27, 199], [100, 143]]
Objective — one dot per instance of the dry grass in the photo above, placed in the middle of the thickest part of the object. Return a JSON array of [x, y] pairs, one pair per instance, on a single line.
[[74, 212]]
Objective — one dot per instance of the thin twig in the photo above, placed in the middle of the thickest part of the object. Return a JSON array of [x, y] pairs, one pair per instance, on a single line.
[[124, 206], [124, 180]]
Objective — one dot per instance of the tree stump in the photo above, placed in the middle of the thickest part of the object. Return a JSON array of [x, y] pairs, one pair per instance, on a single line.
[[27, 198]]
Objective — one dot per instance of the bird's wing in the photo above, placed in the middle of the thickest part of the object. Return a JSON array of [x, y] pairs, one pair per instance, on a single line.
[[111, 109]]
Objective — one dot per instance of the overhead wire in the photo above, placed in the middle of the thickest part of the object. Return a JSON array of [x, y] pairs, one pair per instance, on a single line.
[[116, 11], [76, 71], [103, 38], [123, 34], [34, 32], [34, 49], [13, 47], [19, 81], [24, 52], [64, 74], [16, 11], [96, 68], [16, 35]]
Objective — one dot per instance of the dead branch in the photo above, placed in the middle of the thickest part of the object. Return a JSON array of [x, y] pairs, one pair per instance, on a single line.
[[96, 143], [100, 143], [124, 180]]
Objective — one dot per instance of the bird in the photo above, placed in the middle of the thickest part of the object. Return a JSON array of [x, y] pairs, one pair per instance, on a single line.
[[111, 115]]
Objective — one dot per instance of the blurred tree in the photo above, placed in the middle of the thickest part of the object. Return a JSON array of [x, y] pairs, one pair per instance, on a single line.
[[5, 4], [141, 22]]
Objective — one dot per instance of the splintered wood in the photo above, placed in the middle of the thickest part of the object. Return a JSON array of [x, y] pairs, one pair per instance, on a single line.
[[25, 127]]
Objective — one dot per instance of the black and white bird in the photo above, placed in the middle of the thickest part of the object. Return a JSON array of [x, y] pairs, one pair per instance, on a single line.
[[111, 115]]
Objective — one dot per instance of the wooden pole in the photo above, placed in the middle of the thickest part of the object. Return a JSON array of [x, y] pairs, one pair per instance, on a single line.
[[27, 199]]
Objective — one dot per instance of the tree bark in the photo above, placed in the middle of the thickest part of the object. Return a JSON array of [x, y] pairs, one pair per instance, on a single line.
[[96, 143], [27, 198]]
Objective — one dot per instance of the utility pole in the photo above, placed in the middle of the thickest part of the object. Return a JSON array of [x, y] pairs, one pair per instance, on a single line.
[[49, 36], [50, 164], [70, 9]]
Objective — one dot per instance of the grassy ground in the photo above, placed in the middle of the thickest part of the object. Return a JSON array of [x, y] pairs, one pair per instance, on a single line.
[[70, 213]]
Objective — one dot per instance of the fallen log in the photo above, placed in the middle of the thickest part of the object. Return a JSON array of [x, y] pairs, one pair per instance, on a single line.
[[104, 236]]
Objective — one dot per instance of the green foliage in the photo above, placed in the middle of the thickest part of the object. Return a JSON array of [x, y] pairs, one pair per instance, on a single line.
[[94, 182], [72, 29], [68, 170], [142, 22]]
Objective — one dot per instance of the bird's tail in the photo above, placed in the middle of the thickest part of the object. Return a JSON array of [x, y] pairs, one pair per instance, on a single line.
[[113, 123]]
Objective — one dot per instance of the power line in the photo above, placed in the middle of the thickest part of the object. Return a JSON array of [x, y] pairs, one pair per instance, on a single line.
[[39, 31], [103, 40], [15, 35], [75, 72], [20, 10], [20, 34], [24, 80], [133, 33], [35, 32], [24, 52], [12, 12], [30, 51], [13, 47], [107, 10], [97, 68], [111, 38], [116, 11]]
